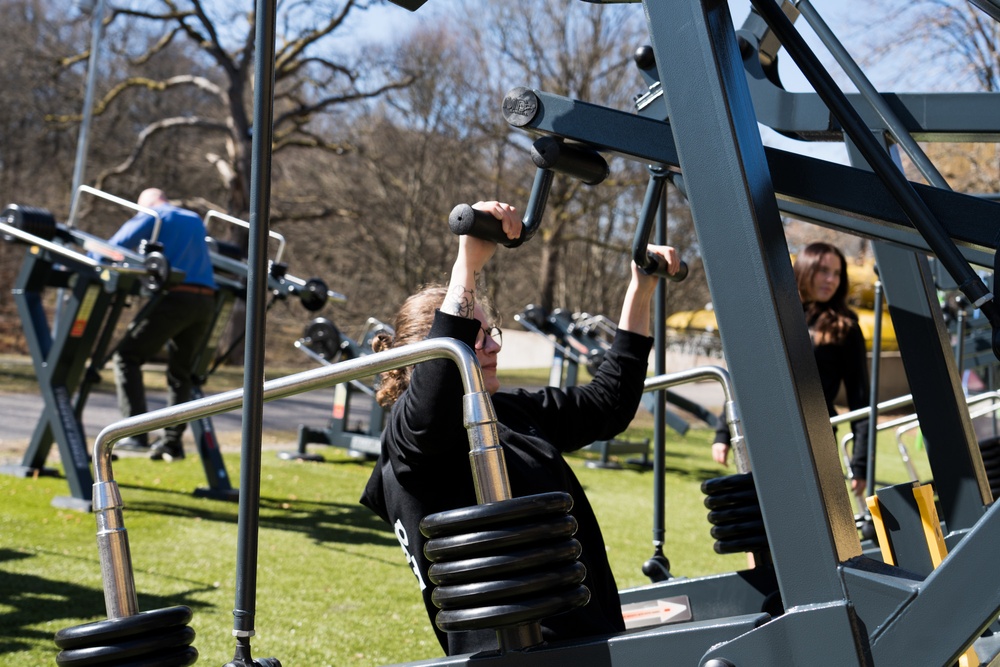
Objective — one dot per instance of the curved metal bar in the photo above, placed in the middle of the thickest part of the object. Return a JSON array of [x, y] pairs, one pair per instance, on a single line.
[[61, 250], [906, 423], [486, 455], [897, 402], [534, 210], [721, 375], [95, 244], [69, 253], [647, 217], [122, 202], [243, 223]]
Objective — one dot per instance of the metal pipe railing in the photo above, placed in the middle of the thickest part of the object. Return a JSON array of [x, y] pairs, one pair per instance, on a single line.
[[891, 404], [69, 253], [904, 452], [908, 422], [278, 254], [157, 222], [486, 455], [722, 376]]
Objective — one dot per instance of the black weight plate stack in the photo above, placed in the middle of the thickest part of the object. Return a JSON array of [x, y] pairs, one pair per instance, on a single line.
[[504, 564], [735, 514], [31, 220], [990, 450], [159, 638]]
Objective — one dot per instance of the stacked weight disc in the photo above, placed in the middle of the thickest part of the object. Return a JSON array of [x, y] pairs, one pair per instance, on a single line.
[[159, 638], [735, 514], [504, 564], [990, 449]]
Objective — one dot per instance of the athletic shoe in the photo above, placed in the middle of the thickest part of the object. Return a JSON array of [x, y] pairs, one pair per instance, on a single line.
[[133, 444], [166, 450]]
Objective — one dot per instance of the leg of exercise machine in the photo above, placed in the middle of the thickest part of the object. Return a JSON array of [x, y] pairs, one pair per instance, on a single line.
[[90, 298]]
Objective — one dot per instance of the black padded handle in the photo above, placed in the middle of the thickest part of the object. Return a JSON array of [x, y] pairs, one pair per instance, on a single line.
[[656, 266], [465, 220]]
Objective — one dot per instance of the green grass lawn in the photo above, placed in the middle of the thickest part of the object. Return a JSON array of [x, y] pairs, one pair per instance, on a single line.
[[332, 587]]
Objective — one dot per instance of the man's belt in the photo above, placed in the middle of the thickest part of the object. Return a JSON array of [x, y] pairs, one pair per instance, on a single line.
[[193, 289]]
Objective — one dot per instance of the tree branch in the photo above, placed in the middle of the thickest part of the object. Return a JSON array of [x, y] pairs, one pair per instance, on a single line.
[[293, 49], [149, 131], [149, 84], [304, 110]]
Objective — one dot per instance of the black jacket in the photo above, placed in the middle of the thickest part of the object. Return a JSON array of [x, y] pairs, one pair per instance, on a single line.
[[424, 465], [840, 363]]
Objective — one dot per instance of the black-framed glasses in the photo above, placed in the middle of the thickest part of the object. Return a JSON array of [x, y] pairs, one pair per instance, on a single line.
[[493, 332]]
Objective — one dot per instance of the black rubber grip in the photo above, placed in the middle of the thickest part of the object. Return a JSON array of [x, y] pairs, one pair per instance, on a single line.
[[576, 161], [465, 220], [656, 266]]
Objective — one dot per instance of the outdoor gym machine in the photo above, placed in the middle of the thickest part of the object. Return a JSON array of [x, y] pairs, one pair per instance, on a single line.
[[164, 634], [92, 294], [90, 299], [839, 607], [325, 344], [231, 275]]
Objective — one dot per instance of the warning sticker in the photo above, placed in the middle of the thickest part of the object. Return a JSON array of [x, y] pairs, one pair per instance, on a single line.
[[656, 612], [84, 313]]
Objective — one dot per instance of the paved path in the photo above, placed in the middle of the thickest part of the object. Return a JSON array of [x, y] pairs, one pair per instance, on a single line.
[[19, 413]]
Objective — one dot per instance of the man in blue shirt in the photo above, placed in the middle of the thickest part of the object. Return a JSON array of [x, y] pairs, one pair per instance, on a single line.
[[181, 320]]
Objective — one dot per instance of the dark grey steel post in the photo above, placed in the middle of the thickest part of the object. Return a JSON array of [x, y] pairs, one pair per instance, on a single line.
[[660, 396], [96, 10], [764, 334], [934, 379], [253, 376], [739, 229], [873, 393]]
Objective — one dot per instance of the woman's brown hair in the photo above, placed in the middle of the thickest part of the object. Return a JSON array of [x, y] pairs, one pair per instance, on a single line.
[[829, 322], [412, 324]]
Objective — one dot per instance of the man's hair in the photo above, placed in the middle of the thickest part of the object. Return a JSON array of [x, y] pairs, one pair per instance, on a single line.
[[150, 197]]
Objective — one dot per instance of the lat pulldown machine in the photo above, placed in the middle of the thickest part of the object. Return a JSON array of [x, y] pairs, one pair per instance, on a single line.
[[837, 607]]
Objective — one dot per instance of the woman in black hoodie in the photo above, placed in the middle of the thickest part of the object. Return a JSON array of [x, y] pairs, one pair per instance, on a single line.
[[424, 465]]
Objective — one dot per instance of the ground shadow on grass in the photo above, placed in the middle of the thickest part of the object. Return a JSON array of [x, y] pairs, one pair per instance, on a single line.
[[27, 600], [684, 471], [324, 522]]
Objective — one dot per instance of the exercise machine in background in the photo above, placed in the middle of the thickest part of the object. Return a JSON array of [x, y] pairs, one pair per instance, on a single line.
[[357, 419]]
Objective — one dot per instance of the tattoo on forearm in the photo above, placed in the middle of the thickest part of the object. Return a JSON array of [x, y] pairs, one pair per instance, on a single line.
[[460, 300]]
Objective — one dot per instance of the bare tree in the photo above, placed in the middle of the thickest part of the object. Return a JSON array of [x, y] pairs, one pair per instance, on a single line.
[[418, 153], [955, 45], [311, 81], [583, 52], [35, 162]]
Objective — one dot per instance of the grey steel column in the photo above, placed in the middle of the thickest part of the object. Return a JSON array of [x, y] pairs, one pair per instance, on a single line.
[[933, 376], [807, 514]]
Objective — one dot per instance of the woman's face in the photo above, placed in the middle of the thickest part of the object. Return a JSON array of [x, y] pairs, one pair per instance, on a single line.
[[486, 353], [826, 279]]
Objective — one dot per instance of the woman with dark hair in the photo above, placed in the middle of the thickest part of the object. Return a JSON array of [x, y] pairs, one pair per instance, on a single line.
[[838, 343], [424, 464]]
